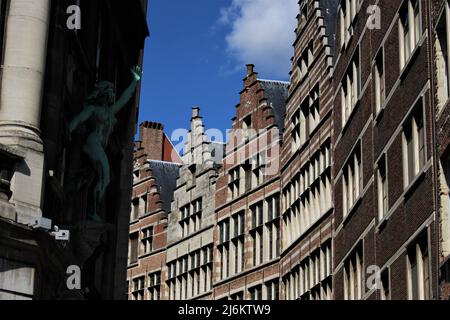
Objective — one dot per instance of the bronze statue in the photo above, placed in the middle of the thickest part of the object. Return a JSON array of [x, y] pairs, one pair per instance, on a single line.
[[100, 112]]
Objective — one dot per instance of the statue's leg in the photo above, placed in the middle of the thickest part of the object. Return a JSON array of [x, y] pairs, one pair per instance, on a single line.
[[97, 155], [106, 178]]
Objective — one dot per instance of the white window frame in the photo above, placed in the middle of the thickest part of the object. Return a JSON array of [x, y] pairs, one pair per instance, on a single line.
[[383, 189], [411, 124], [419, 259], [352, 183], [380, 83], [350, 88], [441, 61], [414, 31], [347, 18]]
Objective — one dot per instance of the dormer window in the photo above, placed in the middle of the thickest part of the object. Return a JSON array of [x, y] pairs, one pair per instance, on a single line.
[[247, 123]]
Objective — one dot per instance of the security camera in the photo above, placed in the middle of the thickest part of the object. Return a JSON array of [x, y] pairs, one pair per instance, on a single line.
[[42, 224], [60, 235]]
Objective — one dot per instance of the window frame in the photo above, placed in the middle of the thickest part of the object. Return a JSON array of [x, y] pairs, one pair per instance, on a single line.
[[407, 17]]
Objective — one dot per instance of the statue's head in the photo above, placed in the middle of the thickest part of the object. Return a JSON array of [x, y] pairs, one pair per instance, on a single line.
[[103, 94]]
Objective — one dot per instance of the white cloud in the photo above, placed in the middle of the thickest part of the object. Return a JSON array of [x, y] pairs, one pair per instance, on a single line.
[[262, 33]]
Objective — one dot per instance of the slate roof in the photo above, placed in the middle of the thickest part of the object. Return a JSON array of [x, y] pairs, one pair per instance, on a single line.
[[166, 175], [276, 93]]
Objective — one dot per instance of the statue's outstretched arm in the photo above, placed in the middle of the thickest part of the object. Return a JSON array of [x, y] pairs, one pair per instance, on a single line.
[[81, 117], [128, 93]]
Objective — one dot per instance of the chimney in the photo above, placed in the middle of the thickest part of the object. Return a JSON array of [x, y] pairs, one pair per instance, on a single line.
[[195, 112], [152, 139], [250, 69]]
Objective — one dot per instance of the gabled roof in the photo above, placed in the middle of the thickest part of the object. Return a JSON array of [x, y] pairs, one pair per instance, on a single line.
[[276, 93], [166, 175]]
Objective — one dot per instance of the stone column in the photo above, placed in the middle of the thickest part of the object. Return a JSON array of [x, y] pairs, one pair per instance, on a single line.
[[22, 82]]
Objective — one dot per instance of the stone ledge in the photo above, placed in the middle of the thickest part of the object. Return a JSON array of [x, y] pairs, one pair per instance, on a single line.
[[7, 211], [12, 152]]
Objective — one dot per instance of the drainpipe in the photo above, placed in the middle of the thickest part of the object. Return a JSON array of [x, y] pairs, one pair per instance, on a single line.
[[431, 75]]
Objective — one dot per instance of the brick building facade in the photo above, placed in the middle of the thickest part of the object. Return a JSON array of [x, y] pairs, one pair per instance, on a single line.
[[352, 199], [387, 214], [306, 157], [247, 235], [155, 172]]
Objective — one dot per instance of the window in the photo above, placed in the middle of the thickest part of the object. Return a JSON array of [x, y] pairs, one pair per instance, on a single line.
[[305, 61], [272, 290], [154, 286], [413, 144], [442, 48], [147, 240], [194, 275], [225, 227], [314, 111], [134, 248], [385, 290], [409, 29], [418, 270], [247, 122], [197, 214], [234, 183], [135, 210], [347, 14], [307, 197], [382, 186], [304, 13], [257, 233], [379, 82], [311, 278], [306, 119], [256, 293], [224, 248], [238, 242], [191, 217], [296, 144], [350, 88], [143, 205], [138, 288], [352, 181], [272, 233], [136, 175], [185, 219], [353, 280], [258, 170], [237, 296], [171, 280]]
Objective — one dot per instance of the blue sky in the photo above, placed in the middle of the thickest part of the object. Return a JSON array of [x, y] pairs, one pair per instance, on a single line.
[[197, 51]]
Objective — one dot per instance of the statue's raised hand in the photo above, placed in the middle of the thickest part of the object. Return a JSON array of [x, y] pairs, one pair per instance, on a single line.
[[136, 72]]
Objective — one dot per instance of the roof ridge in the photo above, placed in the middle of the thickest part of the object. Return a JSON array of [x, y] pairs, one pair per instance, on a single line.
[[274, 81], [164, 162]]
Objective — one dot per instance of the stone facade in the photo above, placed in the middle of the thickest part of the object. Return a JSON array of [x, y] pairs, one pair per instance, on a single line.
[[192, 219]]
